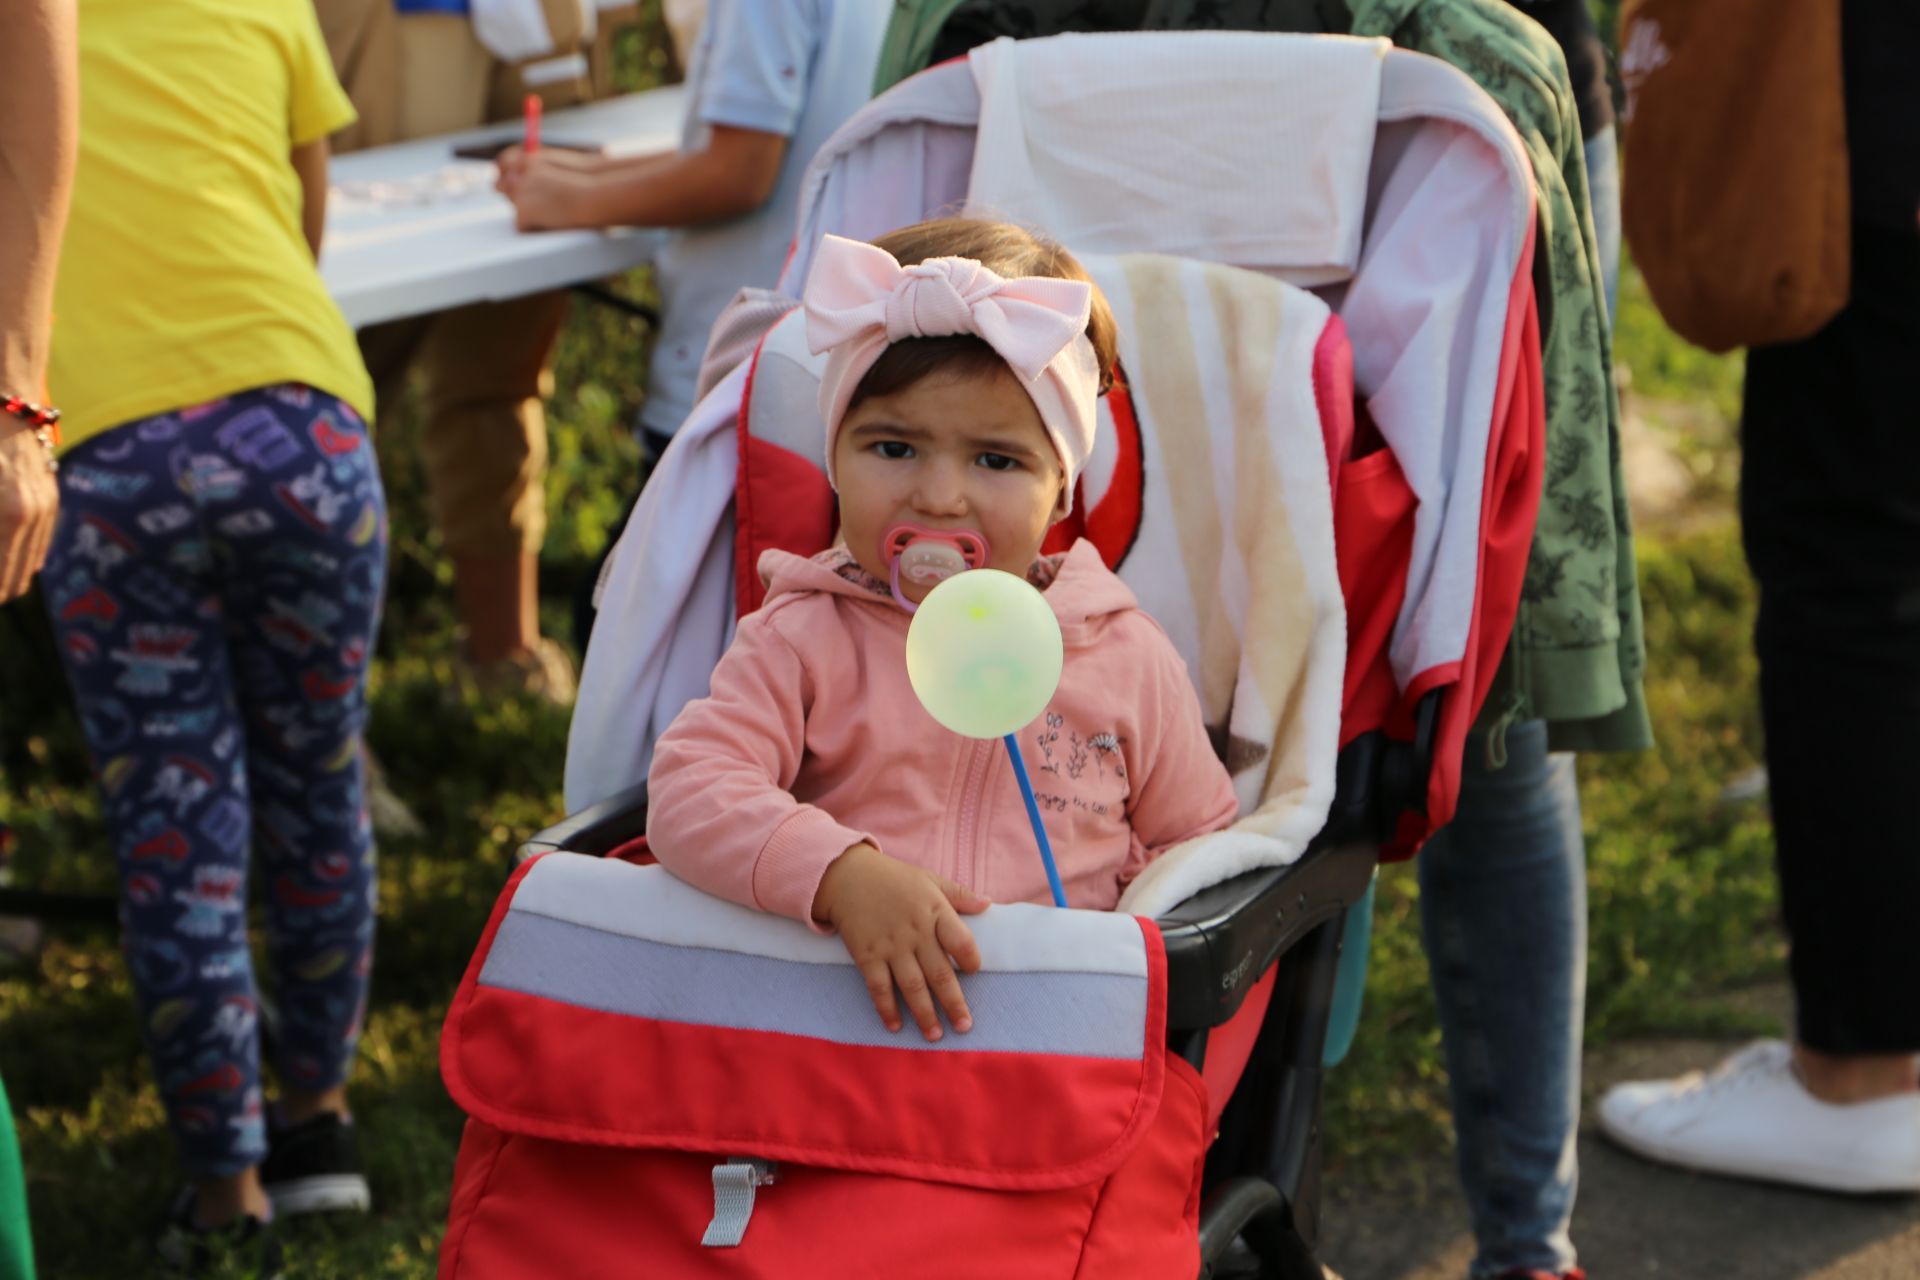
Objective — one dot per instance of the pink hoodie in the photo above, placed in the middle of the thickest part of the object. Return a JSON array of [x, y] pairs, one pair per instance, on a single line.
[[812, 741]]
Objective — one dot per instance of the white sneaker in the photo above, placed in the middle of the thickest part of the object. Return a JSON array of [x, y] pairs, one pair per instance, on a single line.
[[1753, 1118]]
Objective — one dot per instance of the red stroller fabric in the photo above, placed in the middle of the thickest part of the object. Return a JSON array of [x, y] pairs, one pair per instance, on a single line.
[[1065, 1142]]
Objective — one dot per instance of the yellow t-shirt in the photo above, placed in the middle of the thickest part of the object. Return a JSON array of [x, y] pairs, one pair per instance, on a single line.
[[185, 275]]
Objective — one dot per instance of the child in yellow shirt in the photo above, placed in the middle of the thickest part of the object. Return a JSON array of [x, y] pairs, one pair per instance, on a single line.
[[215, 580]]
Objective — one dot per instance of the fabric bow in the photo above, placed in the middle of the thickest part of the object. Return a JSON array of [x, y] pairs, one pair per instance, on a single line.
[[859, 300]]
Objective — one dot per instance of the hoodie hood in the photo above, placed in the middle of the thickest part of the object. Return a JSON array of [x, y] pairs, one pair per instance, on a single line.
[[1076, 583]]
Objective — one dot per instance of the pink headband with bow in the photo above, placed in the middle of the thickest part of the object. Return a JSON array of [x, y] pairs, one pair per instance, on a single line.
[[859, 300]]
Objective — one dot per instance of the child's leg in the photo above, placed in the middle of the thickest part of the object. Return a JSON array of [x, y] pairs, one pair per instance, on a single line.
[[131, 586], [302, 605]]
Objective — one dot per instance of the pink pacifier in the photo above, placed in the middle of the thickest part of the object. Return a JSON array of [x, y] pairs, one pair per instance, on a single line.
[[928, 557]]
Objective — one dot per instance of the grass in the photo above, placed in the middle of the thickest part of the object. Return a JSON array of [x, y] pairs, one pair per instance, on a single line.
[[1681, 884]]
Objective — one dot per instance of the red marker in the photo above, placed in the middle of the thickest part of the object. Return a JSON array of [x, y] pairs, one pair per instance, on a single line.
[[531, 111]]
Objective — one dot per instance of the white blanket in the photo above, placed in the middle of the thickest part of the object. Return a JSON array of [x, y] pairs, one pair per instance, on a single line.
[[666, 605], [1260, 162]]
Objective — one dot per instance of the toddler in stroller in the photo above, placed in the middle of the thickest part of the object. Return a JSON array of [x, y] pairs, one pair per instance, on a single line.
[[641, 1060], [965, 363], [960, 400]]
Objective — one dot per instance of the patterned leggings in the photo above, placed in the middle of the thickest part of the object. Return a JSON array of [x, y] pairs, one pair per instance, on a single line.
[[215, 584]]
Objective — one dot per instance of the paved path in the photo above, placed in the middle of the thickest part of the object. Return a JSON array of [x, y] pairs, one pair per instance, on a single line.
[[1637, 1220]]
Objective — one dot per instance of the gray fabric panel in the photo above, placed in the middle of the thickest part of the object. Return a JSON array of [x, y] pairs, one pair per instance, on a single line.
[[1079, 1014]]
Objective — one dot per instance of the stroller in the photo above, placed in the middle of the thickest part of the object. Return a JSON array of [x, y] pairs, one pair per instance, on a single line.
[[1340, 571]]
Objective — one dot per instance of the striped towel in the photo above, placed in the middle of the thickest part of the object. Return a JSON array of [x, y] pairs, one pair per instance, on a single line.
[[1234, 556]]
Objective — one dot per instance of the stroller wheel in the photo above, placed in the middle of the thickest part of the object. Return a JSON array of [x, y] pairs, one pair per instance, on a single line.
[[1239, 1262]]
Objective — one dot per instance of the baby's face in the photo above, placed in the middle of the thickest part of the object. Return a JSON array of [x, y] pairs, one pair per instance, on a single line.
[[952, 451]]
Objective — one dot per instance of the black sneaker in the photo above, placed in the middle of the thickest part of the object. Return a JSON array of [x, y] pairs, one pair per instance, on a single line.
[[314, 1167], [189, 1249]]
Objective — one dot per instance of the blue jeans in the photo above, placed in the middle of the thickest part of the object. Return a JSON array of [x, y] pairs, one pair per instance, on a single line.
[[1503, 905], [1507, 881]]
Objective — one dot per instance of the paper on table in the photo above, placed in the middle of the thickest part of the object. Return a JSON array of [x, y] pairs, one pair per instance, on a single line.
[[411, 230], [457, 183]]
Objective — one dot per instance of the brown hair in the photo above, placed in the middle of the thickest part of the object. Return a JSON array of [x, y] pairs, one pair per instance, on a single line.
[[1004, 249]]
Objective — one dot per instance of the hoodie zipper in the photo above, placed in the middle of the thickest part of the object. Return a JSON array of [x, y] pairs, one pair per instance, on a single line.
[[966, 835]]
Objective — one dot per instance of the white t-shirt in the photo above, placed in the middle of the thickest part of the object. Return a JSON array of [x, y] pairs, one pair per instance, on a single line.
[[792, 67]]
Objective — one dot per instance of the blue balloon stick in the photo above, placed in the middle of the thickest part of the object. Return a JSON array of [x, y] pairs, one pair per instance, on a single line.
[[1033, 816]]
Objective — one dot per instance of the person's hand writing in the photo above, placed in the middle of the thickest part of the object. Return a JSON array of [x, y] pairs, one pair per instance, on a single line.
[[902, 927], [547, 194], [29, 498], [513, 162]]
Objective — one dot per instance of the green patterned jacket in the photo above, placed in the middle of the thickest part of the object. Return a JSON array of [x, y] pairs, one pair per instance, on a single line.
[[1578, 652]]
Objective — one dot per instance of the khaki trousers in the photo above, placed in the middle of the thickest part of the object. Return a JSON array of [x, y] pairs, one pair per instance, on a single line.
[[484, 369]]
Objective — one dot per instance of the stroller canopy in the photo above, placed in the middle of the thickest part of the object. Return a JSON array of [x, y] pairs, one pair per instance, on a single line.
[[1385, 180]]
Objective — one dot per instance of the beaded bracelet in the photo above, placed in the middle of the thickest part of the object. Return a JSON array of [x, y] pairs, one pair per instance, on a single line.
[[42, 420]]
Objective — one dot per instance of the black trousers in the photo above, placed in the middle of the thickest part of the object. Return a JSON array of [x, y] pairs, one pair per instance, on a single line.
[[1830, 509]]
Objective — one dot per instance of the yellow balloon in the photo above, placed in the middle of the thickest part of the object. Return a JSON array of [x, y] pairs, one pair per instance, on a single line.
[[984, 653]]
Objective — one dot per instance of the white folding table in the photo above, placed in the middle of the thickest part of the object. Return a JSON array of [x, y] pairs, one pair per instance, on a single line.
[[412, 229]]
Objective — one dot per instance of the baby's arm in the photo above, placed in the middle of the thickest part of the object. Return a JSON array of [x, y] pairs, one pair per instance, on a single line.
[[721, 812], [1180, 788], [722, 816], [901, 924]]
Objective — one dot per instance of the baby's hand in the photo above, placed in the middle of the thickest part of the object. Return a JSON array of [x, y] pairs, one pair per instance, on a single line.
[[901, 924]]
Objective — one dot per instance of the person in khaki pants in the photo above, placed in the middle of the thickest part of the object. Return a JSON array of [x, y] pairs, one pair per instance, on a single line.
[[414, 68]]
